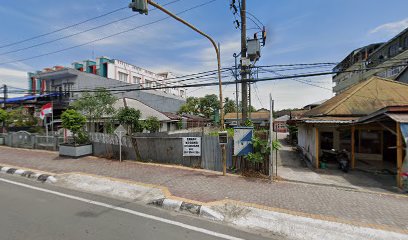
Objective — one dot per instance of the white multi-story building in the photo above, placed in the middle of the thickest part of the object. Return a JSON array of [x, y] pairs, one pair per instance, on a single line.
[[128, 73], [386, 60]]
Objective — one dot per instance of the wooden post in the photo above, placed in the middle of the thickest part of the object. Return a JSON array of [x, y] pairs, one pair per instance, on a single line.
[[399, 155], [317, 147], [353, 149]]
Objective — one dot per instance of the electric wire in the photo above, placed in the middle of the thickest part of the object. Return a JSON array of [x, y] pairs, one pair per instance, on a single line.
[[106, 37], [61, 29], [78, 33]]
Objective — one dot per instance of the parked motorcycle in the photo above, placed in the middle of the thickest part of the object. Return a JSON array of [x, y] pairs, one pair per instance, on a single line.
[[341, 157]]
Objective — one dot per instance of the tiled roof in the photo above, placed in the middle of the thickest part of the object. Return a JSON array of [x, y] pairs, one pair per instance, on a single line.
[[264, 115], [145, 110], [172, 116], [363, 98], [283, 118]]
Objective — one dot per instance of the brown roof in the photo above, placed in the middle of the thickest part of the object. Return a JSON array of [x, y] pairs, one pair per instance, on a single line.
[[329, 119], [172, 116], [296, 114], [254, 115], [195, 117], [363, 98]]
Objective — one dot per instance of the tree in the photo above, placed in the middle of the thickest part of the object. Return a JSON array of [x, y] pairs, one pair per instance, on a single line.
[[203, 106], [3, 117], [229, 106], [19, 117], [250, 109], [192, 106], [152, 124], [130, 118], [73, 121], [96, 106], [209, 104]]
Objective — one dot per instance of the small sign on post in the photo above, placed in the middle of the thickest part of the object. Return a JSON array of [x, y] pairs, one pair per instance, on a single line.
[[191, 146], [223, 137], [120, 131], [242, 140]]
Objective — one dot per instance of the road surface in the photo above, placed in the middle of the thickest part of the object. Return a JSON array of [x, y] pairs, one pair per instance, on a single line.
[[32, 210]]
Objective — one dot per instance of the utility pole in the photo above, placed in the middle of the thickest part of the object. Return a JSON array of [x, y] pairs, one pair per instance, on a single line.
[[244, 84], [236, 86], [270, 137], [4, 96], [4, 105], [141, 6]]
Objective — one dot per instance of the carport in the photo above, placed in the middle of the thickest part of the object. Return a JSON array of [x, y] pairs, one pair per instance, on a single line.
[[392, 122]]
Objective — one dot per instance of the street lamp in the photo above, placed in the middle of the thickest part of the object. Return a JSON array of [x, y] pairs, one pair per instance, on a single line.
[[141, 6]]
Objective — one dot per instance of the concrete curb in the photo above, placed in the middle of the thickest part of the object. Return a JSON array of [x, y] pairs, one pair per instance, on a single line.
[[196, 209], [29, 174]]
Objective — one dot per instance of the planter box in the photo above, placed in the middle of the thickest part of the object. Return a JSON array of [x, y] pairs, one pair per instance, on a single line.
[[2, 140], [75, 151]]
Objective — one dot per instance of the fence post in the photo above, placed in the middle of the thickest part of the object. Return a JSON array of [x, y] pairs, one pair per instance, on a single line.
[[34, 142], [56, 145]]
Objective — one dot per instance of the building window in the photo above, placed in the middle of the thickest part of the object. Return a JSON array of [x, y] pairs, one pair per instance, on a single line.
[[326, 141], [391, 72], [182, 93], [148, 84], [393, 50], [123, 77], [370, 142], [136, 80]]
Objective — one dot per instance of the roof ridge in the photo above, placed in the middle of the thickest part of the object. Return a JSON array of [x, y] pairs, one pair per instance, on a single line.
[[362, 84], [145, 105]]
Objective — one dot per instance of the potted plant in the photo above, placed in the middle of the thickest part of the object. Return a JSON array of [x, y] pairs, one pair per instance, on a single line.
[[3, 118], [74, 122]]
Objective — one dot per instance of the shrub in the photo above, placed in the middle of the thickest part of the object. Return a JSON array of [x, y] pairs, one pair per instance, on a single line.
[[152, 124], [130, 118], [74, 121]]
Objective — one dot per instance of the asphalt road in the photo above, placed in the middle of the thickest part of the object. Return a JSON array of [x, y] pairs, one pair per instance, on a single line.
[[32, 210]]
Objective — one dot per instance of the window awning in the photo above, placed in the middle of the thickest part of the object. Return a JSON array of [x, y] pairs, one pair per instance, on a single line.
[[398, 117], [28, 98]]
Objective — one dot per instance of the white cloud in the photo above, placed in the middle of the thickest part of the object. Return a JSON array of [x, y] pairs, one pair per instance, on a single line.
[[6, 72], [206, 57], [14, 78], [391, 28]]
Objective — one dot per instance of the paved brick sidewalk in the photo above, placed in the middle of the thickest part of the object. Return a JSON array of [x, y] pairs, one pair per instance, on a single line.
[[367, 208]]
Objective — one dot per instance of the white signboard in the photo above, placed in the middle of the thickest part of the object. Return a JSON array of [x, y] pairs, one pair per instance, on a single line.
[[120, 131], [191, 146]]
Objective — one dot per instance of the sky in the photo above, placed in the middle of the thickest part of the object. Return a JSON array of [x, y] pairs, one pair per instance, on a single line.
[[298, 31]]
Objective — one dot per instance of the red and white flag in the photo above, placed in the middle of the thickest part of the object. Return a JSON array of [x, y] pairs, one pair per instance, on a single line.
[[46, 109]]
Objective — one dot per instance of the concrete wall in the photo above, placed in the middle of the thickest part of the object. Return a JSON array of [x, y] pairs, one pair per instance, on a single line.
[[306, 141]]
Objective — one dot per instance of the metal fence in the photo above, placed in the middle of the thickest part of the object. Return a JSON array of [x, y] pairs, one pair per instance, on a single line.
[[152, 147], [23, 139], [162, 148]]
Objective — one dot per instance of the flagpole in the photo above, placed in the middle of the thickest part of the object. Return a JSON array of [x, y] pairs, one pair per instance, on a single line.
[[52, 116], [45, 124]]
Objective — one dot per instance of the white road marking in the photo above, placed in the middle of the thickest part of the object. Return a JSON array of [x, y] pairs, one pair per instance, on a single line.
[[159, 219]]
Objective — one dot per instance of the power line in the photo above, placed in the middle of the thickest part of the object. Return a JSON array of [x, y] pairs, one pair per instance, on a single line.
[[282, 77], [295, 64], [255, 18], [103, 38], [256, 24], [61, 29], [257, 94], [78, 33]]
